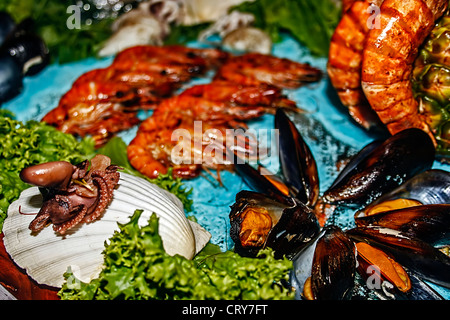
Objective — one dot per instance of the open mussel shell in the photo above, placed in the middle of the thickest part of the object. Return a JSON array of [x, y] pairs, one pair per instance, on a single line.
[[383, 167], [299, 176], [380, 268], [414, 254], [46, 255], [257, 221], [385, 289], [297, 162], [326, 267], [430, 223], [262, 183], [429, 187]]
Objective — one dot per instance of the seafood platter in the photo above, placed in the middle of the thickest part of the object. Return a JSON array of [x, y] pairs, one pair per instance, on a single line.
[[331, 172]]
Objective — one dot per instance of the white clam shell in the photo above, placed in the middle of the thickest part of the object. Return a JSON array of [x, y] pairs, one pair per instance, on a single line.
[[46, 255]]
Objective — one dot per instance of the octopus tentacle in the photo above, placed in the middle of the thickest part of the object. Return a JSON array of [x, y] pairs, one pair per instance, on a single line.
[[40, 221], [63, 227], [104, 196]]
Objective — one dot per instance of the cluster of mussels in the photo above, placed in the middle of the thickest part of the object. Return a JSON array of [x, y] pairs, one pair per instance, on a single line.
[[402, 218]]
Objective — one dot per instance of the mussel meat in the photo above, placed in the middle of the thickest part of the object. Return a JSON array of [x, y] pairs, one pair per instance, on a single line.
[[388, 279], [383, 167], [416, 255], [379, 266], [257, 221]]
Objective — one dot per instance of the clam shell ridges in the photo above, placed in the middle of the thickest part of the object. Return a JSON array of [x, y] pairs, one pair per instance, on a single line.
[[46, 255]]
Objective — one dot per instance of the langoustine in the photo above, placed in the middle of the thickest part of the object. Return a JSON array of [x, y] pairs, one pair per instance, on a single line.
[[256, 68], [388, 58], [345, 61], [97, 109]]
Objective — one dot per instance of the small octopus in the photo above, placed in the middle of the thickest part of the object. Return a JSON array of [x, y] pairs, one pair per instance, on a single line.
[[72, 194]]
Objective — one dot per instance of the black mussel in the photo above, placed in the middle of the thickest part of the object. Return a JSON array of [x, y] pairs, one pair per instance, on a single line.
[[430, 223], [297, 162], [299, 176], [325, 269], [267, 183], [302, 264], [7, 25], [429, 187], [10, 78], [385, 167], [416, 255], [355, 162], [257, 221], [420, 291], [29, 51], [388, 279]]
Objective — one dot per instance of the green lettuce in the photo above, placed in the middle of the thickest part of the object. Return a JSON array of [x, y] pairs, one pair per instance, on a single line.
[[30, 143], [50, 22], [136, 267], [312, 23]]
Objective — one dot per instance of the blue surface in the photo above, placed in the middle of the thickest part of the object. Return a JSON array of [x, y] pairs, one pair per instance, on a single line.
[[326, 127]]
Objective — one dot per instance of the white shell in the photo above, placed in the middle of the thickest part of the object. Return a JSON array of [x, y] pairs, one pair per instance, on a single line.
[[46, 255], [248, 39]]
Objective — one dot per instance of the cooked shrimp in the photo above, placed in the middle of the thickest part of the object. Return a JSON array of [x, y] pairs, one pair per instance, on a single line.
[[261, 95], [256, 68], [134, 79], [151, 150], [174, 60], [344, 62], [97, 109], [388, 58], [217, 112]]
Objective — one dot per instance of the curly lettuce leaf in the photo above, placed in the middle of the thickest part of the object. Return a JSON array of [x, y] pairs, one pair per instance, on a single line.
[[30, 143], [137, 267]]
